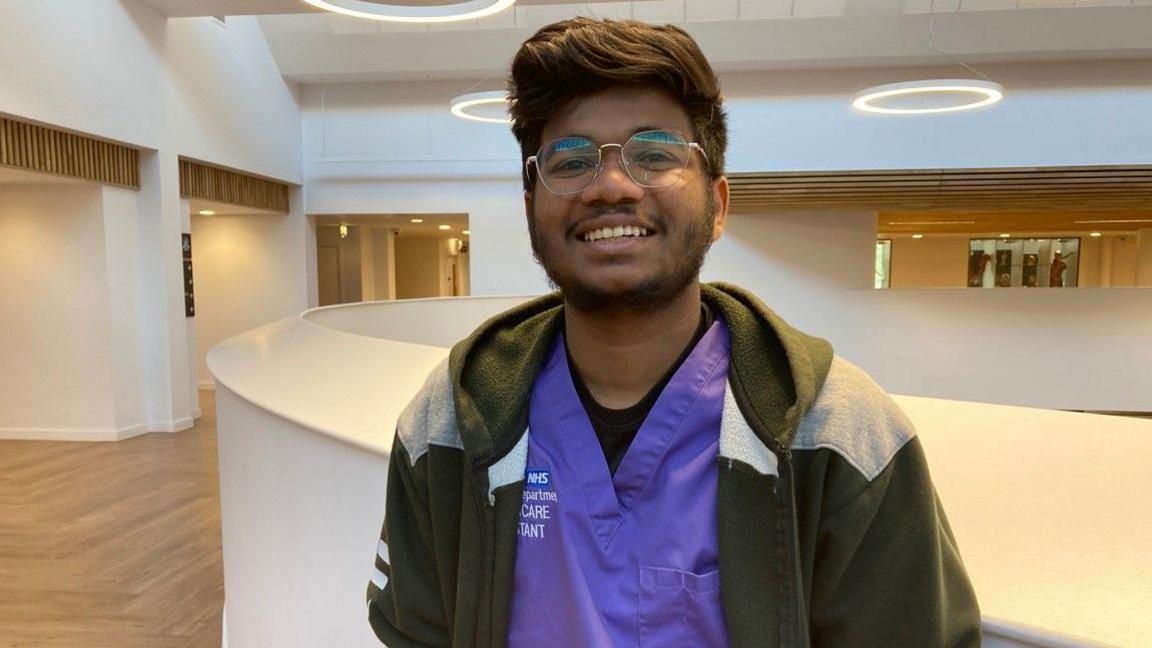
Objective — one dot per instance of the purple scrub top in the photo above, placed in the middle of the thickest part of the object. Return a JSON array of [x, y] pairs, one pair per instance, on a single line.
[[629, 559]]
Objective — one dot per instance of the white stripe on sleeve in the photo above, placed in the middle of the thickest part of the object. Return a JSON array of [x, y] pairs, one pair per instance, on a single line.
[[379, 579]]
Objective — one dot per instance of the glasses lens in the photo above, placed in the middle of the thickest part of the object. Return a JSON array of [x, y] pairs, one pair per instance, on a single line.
[[569, 164], [656, 158]]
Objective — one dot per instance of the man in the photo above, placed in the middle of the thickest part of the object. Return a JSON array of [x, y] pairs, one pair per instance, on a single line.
[[640, 460]]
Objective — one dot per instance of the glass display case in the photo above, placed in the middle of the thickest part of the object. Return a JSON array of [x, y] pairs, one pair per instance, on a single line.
[[1023, 262]]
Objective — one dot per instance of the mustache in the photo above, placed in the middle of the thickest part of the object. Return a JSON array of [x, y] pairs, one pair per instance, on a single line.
[[651, 221]]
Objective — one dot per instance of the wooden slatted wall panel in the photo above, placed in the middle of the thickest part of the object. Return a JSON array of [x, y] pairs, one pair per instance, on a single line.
[[222, 185], [1070, 188], [48, 150]]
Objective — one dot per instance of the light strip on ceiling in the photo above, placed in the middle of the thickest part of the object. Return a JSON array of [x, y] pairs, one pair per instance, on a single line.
[[931, 222], [1120, 220], [436, 13], [986, 93], [461, 104]]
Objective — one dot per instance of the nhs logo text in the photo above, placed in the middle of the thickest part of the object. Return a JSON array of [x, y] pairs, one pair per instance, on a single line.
[[538, 478]]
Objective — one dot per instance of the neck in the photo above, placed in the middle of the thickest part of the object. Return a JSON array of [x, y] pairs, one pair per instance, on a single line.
[[622, 353]]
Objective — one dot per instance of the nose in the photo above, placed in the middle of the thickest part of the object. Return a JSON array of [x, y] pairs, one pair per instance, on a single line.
[[612, 184]]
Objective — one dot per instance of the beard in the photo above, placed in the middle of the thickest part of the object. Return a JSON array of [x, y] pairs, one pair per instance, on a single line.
[[653, 291]]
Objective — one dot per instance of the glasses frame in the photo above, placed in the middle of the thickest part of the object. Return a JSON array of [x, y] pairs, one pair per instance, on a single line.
[[535, 161]]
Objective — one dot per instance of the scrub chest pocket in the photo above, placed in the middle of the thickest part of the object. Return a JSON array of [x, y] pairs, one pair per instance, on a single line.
[[680, 608]]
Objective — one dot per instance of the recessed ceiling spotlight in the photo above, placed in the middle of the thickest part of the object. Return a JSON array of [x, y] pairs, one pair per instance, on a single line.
[[1005, 236], [423, 13], [1095, 235], [206, 212], [445, 227], [917, 236], [488, 107], [416, 220]]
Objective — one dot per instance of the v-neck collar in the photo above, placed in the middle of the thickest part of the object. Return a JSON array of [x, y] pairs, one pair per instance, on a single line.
[[610, 498]]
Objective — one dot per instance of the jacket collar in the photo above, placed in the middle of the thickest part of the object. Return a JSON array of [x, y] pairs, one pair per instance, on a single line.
[[775, 372]]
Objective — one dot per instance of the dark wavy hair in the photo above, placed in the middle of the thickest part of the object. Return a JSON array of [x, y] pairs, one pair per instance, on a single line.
[[575, 58]]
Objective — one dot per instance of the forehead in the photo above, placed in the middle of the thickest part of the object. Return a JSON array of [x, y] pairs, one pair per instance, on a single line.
[[614, 114]]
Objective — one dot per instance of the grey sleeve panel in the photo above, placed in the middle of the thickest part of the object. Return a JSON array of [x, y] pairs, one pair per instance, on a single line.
[[855, 418], [430, 419], [738, 441]]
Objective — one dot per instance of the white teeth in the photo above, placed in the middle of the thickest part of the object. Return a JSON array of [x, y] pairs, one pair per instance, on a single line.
[[615, 232]]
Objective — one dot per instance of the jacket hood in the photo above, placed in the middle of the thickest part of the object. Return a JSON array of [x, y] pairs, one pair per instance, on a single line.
[[775, 374]]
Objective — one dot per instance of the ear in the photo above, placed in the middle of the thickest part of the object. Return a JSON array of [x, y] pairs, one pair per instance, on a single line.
[[528, 205], [719, 189]]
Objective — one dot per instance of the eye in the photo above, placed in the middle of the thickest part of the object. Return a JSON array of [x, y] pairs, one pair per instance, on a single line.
[[572, 165], [656, 159], [653, 156]]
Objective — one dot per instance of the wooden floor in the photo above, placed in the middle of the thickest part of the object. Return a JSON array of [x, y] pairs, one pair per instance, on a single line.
[[112, 544]]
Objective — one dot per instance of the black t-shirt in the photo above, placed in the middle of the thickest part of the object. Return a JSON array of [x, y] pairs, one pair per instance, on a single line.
[[615, 428]]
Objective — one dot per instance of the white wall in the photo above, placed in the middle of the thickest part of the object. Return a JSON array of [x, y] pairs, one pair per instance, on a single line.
[[1065, 349], [1053, 114], [122, 263], [376, 147], [393, 148], [119, 70], [68, 364], [799, 263], [243, 268], [373, 148], [1084, 348]]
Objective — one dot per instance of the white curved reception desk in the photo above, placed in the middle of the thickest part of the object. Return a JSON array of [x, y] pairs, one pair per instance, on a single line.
[[1052, 510]]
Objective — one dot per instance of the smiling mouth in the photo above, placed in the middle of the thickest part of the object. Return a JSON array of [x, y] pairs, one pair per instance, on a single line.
[[618, 232]]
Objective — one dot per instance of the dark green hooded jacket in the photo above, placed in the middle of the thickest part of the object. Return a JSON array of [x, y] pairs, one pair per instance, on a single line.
[[830, 531]]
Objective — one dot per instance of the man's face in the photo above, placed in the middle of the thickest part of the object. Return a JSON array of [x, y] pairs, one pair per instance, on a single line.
[[681, 220]]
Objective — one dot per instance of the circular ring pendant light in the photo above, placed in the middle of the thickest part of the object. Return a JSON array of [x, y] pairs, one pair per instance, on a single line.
[[928, 96], [488, 107], [414, 13]]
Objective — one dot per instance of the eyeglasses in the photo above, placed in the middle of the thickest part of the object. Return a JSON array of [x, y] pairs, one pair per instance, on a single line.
[[655, 158]]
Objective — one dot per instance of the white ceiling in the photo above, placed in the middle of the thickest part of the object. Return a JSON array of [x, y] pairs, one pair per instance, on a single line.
[[737, 35]]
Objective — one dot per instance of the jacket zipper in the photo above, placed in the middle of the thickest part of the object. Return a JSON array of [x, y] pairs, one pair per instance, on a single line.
[[798, 580], [484, 604]]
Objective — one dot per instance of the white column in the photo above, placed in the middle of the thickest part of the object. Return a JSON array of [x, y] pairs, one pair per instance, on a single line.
[[368, 289], [384, 261], [121, 218], [166, 378], [1107, 244], [1144, 257]]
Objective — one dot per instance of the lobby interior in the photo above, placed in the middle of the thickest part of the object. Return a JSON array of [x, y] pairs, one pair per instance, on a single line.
[[266, 210]]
